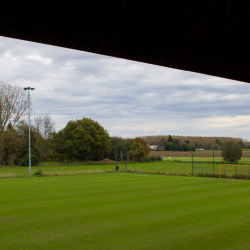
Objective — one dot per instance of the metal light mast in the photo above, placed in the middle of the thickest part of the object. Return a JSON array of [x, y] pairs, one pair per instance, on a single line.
[[29, 88]]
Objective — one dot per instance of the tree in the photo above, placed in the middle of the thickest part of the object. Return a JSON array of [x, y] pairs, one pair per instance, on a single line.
[[136, 151], [170, 146], [231, 151], [143, 143], [87, 137], [170, 139], [13, 104], [45, 128], [242, 144], [121, 144], [219, 142], [59, 142], [184, 147], [23, 142], [10, 141]]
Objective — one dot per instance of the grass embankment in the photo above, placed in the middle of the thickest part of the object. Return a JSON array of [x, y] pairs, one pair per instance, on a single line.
[[124, 211]]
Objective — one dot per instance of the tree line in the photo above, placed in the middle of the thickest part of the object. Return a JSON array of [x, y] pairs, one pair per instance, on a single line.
[[204, 142], [82, 139]]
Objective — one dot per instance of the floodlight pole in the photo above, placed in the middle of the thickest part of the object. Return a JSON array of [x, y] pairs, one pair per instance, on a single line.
[[28, 88]]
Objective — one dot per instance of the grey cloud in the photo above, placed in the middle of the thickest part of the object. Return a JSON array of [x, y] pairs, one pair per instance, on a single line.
[[139, 98]]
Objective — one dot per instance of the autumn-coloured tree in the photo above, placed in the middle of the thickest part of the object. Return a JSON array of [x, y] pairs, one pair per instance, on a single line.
[[136, 151], [143, 143]]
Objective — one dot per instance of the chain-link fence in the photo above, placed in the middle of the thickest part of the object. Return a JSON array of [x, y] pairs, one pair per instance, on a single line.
[[226, 162], [204, 165], [234, 171]]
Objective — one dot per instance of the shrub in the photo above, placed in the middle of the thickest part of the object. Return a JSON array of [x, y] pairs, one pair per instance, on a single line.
[[25, 160], [105, 161], [147, 159], [39, 172], [158, 158], [152, 158]]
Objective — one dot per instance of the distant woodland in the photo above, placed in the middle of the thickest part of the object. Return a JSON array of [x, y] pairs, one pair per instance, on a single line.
[[196, 141]]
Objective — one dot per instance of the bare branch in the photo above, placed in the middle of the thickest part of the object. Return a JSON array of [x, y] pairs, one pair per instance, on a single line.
[[44, 125], [13, 105]]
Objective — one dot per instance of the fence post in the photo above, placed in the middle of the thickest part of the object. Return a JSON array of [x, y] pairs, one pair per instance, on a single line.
[[202, 171], [236, 154], [116, 155], [192, 164], [126, 159], [213, 161], [235, 170]]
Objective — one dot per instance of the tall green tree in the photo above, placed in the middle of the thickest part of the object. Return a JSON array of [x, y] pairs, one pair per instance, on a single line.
[[121, 144], [184, 147], [59, 141], [170, 146], [170, 139], [231, 151], [87, 137]]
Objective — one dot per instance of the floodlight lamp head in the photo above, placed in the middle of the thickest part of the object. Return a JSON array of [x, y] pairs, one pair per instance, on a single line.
[[25, 88], [32, 88]]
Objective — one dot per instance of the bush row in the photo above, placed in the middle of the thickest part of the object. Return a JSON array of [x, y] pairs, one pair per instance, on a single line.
[[153, 158]]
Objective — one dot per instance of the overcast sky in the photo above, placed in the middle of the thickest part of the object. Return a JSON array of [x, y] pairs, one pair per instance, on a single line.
[[127, 98]]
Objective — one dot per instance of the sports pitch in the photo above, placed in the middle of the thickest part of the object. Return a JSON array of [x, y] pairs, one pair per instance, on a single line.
[[124, 211]]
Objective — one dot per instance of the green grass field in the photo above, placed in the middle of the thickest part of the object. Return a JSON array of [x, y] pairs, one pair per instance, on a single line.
[[167, 167], [245, 160], [124, 211]]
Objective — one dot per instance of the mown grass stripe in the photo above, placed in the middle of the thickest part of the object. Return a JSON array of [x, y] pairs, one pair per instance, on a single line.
[[124, 211]]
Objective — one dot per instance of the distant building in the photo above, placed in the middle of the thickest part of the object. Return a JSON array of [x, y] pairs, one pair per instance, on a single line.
[[200, 149], [154, 147]]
